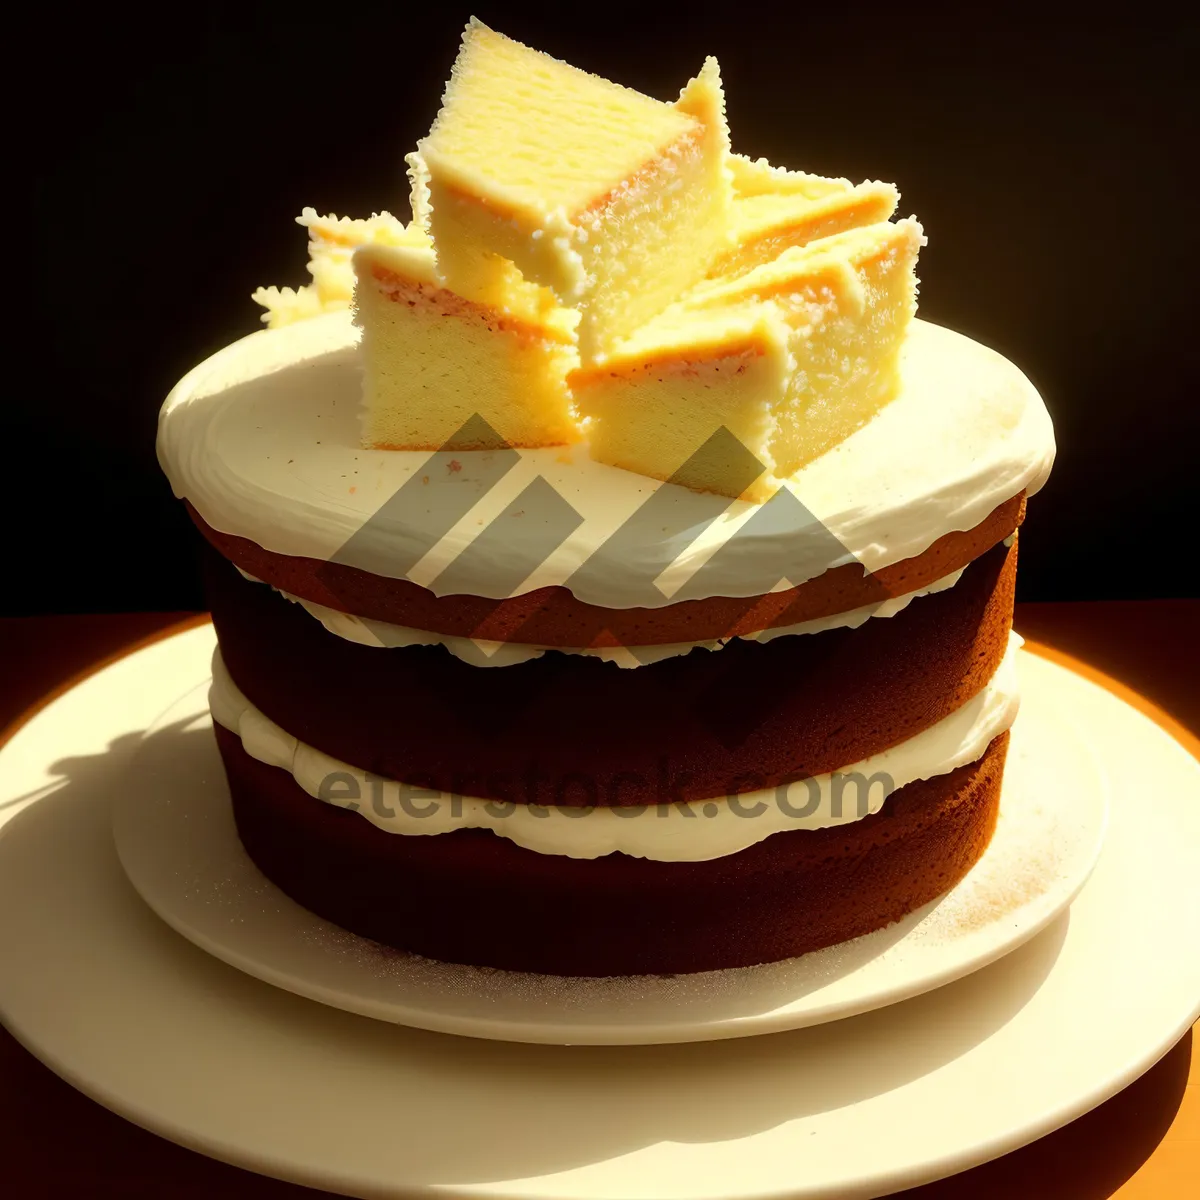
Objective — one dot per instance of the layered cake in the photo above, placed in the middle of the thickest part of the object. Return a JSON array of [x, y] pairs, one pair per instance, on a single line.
[[610, 574]]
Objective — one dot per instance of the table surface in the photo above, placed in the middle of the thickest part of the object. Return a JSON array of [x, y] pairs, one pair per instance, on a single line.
[[1143, 1144]]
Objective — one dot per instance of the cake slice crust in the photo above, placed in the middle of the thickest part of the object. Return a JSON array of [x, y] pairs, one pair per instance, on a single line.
[[331, 242], [762, 227], [618, 210], [828, 322], [434, 360]]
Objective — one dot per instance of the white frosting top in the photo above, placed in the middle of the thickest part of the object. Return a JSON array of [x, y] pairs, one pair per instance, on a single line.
[[480, 652], [691, 832], [262, 439]]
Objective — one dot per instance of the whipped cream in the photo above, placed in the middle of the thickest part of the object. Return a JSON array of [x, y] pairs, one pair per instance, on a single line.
[[691, 832], [480, 652], [262, 439]]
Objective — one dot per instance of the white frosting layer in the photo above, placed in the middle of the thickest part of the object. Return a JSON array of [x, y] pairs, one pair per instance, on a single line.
[[667, 833], [262, 439], [482, 653]]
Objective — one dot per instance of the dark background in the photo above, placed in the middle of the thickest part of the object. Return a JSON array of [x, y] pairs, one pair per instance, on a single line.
[[163, 154]]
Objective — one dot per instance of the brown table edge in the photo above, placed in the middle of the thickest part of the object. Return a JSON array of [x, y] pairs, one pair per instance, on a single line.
[[1163, 719], [22, 719]]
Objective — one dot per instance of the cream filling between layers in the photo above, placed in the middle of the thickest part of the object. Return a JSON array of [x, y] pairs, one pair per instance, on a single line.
[[692, 832], [481, 652]]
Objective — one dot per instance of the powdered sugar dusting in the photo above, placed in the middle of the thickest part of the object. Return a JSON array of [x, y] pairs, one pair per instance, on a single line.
[[1001, 884]]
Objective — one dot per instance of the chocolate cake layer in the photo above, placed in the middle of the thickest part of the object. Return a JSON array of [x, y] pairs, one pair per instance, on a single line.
[[473, 897], [573, 730], [552, 616]]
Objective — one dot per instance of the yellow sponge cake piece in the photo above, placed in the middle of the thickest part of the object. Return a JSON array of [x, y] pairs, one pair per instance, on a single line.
[[431, 359], [434, 360], [656, 402], [757, 177], [791, 357], [774, 209], [331, 242], [616, 201], [584, 260], [286, 305]]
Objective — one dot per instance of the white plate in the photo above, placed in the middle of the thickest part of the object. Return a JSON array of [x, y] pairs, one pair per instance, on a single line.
[[176, 839], [100, 989]]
